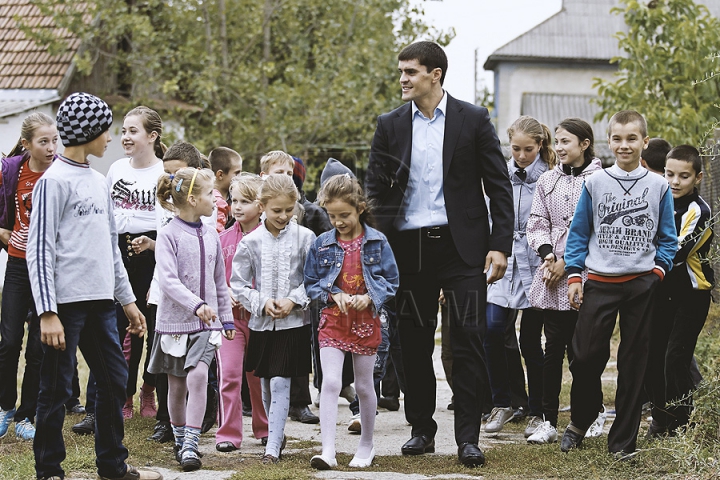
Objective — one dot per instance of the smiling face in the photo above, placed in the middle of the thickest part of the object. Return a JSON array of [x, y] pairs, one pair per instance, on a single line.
[[245, 211], [416, 82], [570, 150], [43, 145], [278, 212], [524, 149], [627, 143], [345, 218], [136, 141], [681, 176]]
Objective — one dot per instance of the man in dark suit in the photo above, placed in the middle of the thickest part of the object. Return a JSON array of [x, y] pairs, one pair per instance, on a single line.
[[430, 164]]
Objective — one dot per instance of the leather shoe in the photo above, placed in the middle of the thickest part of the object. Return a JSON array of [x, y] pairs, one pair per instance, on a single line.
[[86, 426], [572, 438], [163, 433], [303, 415], [225, 447], [470, 455], [389, 403], [418, 445]]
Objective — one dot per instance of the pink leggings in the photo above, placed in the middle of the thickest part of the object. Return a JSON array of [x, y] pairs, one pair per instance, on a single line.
[[230, 362]]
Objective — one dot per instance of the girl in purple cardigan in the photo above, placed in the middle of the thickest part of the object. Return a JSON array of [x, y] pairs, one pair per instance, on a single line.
[[194, 308]]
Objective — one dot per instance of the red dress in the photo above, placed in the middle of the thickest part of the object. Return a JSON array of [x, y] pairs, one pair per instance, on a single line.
[[356, 331]]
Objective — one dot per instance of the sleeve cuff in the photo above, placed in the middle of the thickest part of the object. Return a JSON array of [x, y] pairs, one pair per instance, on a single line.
[[545, 250], [574, 278], [659, 271]]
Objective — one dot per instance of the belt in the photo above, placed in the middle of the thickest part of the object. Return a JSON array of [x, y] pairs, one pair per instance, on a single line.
[[435, 233]]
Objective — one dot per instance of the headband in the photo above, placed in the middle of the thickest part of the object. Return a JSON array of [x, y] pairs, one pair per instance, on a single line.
[[192, 183]]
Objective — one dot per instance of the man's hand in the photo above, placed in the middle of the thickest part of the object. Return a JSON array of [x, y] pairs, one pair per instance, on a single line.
[[136, 319], [206, 314], [499, 263], [52, 332], [575, 290]]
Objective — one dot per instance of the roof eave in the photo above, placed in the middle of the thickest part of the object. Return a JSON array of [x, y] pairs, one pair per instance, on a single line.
[[493, 60]]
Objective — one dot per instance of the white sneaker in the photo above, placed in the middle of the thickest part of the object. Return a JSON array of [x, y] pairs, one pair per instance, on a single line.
[[355, 426], [533, 423], [498, 417], [596, 429], [545, 433]]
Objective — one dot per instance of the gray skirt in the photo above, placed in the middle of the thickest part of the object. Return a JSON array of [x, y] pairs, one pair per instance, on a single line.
[[199, 349]]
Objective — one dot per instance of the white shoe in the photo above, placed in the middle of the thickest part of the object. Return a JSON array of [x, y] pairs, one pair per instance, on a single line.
[[533, 423], [362, 462], [596, 429], [545, 433], [319, 462], [348, 393], [498, 417], [355, 426]]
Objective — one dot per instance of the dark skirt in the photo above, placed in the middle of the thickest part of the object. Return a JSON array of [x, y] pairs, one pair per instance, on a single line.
[[279, 353]]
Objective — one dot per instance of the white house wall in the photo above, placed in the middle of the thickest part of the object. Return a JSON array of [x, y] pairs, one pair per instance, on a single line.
[[512, 80]]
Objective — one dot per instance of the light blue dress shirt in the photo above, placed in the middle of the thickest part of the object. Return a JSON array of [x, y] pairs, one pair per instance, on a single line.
[[424, 201]]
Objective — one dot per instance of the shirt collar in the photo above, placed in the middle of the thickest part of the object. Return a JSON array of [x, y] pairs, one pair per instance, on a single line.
[[442, 106]]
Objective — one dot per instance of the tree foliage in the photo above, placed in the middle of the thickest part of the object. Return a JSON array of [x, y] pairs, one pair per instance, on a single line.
[[300, 75], [668, 71]]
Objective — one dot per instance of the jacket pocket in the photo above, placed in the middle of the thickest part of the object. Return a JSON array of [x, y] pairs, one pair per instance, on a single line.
[[372, 257]]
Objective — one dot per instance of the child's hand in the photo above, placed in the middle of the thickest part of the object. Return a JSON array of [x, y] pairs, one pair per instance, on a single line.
[[52, 332], [283, 307], [441, 299], [575, 290], [206, 314], [136, 320], [270, 308], [359, 302], [233, 301], [342, 300], [229, 334], [554, 270], [142, 243], [5, 235]]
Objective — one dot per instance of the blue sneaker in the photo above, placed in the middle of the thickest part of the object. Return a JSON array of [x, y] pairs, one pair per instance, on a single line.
[[24, 430], [6, 416]]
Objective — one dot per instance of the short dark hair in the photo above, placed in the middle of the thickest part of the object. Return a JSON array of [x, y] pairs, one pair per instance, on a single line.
[[185, 152], [583, 131], [221, 157], [624, 117], [687, 153], [429, 54], [656, 153]]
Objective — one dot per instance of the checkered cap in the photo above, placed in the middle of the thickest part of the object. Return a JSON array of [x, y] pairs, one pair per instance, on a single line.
[[82, 118]]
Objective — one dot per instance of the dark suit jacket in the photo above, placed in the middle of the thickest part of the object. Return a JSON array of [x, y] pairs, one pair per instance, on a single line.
[[472, 159]]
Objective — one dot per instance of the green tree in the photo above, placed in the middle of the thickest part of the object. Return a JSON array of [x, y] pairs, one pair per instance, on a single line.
[[305, 76], [668, 69]]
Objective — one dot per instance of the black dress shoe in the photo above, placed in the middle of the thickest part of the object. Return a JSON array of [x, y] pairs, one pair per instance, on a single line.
[[86, 425], [225, 447], [572, 438], [418, 445], [77, 410], [470, 455], [163, 433], [303, 415], [389, 403]]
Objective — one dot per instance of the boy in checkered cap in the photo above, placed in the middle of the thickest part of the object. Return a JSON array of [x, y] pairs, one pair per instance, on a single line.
[[76, 271]]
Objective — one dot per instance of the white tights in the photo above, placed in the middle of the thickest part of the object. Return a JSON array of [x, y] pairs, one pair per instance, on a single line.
[[331, 360], [276, 398]]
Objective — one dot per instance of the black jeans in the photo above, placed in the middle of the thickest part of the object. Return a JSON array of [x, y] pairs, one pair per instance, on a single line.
[[417, 310], [92, 327], [678, 319], [602, 301], [559, 330], [17, 308]]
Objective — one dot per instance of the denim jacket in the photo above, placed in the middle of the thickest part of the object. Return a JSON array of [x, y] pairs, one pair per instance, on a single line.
[[325, 260]]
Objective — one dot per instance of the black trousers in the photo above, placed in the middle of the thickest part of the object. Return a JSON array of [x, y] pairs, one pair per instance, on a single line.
[[678, 319], [591, 348], [559, 330], [441, 267]]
